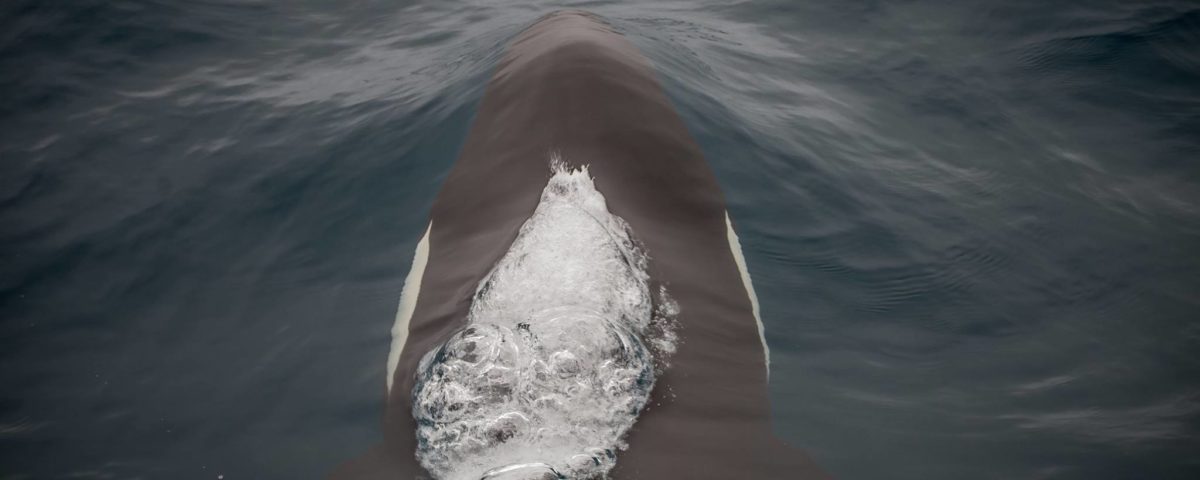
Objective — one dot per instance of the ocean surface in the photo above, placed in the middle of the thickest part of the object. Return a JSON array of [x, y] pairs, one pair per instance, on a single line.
[[974, 227]]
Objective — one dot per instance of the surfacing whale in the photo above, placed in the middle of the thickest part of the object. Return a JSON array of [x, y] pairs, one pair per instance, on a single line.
[[587, 319]]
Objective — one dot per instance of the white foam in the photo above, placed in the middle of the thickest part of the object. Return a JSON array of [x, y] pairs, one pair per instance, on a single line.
[[553, 366]]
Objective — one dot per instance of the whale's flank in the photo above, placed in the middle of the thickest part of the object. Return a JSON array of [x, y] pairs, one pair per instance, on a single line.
[[408, 304], [735, 246]]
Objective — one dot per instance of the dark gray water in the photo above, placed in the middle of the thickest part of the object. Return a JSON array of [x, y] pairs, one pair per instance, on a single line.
[[973, 226]]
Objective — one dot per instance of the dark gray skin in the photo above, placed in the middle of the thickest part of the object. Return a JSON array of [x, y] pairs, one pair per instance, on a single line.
[[571, 85]]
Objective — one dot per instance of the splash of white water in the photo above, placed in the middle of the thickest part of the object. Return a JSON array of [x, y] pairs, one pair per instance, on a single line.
[[553, 366]]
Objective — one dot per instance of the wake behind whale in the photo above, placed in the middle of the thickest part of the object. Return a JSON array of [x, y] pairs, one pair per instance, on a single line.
[[559, 353], [529, 339]]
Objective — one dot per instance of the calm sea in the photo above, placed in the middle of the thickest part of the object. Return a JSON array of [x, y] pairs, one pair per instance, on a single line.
[[974, 227]]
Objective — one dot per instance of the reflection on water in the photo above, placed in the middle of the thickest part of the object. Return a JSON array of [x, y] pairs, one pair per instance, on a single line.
[[971, 226]]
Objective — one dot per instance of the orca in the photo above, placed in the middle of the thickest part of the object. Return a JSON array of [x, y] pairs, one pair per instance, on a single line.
[[571, 91]]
